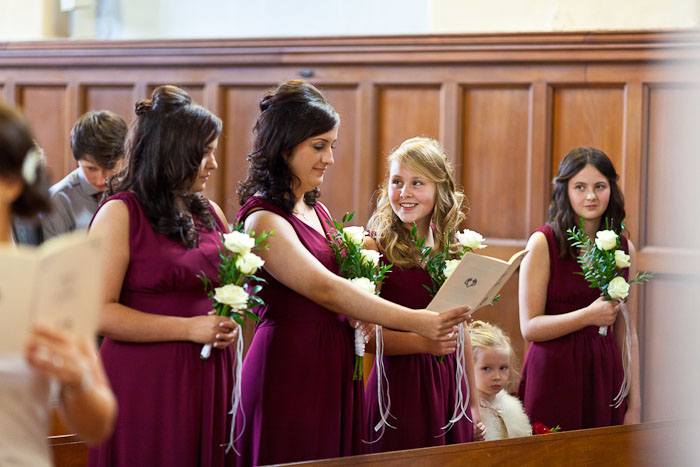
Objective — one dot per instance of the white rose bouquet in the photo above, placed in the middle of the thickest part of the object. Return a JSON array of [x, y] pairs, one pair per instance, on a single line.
[[359, 266], [602, 262], [236, 295], [442, 264]]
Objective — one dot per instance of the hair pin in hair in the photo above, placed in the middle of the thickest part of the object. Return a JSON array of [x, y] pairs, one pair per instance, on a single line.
[[31, 163]]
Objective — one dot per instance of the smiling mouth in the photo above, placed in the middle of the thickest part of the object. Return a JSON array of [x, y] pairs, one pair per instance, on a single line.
[[408, 205]]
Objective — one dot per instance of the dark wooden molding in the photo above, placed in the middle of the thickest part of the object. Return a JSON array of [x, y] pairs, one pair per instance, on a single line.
[[571, 47]]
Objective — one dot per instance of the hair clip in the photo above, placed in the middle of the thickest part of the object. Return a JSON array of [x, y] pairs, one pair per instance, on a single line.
[[31, 162]]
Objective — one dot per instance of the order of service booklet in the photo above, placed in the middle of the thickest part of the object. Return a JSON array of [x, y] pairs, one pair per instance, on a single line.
[[58, 283], [476, 280]]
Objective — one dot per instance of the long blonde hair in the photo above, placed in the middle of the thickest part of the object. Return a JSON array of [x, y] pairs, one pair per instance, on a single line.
[[487, 336], [425, 156]]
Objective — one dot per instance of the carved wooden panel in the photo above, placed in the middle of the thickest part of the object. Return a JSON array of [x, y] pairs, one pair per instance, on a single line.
[[404, 112], [587, 116], [672, 162], [117, 98], [45, 107], [240, 109], [340, 184], [494, 161]]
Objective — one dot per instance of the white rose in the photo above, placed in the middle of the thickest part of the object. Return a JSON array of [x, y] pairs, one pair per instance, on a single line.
[[249, 263], [605, 239], [231, 295], [622, 260], [370, 256], [470, 239], [450, 267], [238, 242], [618, 288], [364, 284], [355, 234]]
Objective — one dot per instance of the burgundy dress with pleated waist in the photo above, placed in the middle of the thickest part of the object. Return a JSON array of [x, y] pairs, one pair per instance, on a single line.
[[298, 395], [173, 406], [571, 381], [422, 389]]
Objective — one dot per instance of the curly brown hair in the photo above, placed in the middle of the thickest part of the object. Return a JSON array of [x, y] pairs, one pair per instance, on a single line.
[[164, 150], [426, 156], [289, 115]]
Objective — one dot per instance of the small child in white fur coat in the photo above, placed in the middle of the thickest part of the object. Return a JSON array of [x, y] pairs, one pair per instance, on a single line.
[[502, 414]]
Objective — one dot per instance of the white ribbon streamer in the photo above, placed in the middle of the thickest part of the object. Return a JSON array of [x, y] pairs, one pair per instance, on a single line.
[[383, 397], [461, 400], [626, 360], [236, 393]]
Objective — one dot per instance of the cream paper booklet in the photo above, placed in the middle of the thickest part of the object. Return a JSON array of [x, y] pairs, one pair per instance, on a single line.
[[476, 280], [58, 283]]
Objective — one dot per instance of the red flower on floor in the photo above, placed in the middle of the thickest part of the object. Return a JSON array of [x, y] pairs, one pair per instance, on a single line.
[[541, 429]]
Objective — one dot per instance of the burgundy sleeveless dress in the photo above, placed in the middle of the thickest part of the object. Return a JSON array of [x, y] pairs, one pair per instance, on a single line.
[[172, 405], [422, 389], [571, 381], [298, 396]]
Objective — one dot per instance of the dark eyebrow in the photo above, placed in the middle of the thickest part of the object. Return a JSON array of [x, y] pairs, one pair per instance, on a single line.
[[321, 139]]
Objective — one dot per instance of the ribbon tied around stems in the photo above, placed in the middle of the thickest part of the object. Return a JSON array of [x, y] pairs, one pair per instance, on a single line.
[[461, 399], [626, 360], [383, 398], [360, 341]]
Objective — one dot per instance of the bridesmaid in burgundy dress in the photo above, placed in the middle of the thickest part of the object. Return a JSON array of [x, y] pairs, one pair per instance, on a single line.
[[421, 190], [571, 373], [162, 233], [299, 401]]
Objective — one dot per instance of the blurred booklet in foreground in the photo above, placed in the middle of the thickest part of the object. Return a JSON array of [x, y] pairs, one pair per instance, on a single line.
[[476, 280], [58, 283]]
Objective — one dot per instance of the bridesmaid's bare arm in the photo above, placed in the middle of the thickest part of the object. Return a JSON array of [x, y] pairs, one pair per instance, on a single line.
[[288, 261], [127, 324], [532, 298]]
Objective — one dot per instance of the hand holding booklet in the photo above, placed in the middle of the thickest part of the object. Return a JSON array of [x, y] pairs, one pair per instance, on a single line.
[[58, 283], [476, 280]]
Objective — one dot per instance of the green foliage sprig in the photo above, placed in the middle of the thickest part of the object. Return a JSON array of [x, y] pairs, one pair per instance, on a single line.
[[602, 261], [236, 295]]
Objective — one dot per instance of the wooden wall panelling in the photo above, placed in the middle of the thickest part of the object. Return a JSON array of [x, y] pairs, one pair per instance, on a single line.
[[451, 116], [341, 182], [494, 161], [239, 111], [366, 141], [405, 111], [587, 115], [671, 162], [118, 98], [495, 149], [45, 107]]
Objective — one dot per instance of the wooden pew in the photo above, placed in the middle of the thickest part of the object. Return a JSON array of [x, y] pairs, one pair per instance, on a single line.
[[648, 444], [67, 449]]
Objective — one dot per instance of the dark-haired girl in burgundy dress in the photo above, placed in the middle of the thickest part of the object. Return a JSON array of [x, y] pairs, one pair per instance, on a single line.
[[572, 373]]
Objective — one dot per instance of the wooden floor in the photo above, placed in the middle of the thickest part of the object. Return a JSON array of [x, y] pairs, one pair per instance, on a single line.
[[648, 444]]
